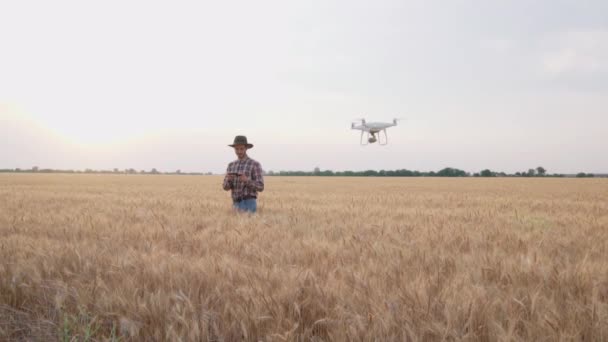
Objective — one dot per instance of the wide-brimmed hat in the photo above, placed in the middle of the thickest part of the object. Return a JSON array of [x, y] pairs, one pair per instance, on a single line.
[[241, 140]]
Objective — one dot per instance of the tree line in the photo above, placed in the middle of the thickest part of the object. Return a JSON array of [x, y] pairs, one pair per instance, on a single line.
[[445, 172], [131, 171]]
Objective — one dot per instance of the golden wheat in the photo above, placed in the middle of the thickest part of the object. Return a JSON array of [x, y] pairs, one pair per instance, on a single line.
[[131, 257]]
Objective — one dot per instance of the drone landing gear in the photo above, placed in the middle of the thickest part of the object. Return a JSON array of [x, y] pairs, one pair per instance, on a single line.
[[380, 140], [361, 141]]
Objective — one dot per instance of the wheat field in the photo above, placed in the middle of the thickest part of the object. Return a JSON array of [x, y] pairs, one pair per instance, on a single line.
[[164, 258]]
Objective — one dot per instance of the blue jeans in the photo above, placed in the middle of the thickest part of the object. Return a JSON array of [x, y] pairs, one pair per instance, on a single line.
[[248, 205]]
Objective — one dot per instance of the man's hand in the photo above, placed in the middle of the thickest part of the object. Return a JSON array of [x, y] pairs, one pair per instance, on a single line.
[[231, 176], [243, 178]]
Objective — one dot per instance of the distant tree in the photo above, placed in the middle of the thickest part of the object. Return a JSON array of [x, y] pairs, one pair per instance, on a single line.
[[17, 170], [271, 173], [154, 171], [451, 172], [35, 168], [585, 175], [317, 171], [541, 171], [531, 172], [518, 174], [178, 171], [116, 170], [487, 173], [476, 174]]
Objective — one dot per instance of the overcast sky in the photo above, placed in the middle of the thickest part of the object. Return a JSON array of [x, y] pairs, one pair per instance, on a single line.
[[505, 85]]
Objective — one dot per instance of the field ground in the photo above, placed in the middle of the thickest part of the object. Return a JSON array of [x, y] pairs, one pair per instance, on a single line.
[[142, 257]]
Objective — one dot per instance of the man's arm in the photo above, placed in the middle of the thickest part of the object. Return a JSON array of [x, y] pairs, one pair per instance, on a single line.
[[257, 179], [228, 183]]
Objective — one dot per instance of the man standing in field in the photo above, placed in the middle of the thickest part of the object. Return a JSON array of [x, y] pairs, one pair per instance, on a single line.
[[244, 177]]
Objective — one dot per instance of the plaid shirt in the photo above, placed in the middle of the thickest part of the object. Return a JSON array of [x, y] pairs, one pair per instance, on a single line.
[[250, 168]]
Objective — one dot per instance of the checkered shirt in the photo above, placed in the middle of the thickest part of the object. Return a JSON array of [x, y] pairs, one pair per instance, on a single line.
[[250, 168]]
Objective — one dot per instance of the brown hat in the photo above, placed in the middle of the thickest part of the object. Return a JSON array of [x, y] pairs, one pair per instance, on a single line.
[[241, 140]]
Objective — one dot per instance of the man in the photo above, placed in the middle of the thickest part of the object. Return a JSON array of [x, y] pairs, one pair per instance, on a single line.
[[244, 177]]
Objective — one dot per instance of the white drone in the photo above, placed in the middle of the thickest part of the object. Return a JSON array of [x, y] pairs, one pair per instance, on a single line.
[[373, 128]]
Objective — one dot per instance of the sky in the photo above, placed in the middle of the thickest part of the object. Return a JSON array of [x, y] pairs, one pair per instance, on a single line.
[[505, 85]]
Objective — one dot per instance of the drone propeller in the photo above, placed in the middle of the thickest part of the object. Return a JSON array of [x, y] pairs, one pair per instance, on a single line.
[[395, 120], [359, 119]]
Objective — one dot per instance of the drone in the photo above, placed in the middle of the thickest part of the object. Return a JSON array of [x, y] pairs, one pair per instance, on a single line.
[[373, 128]]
